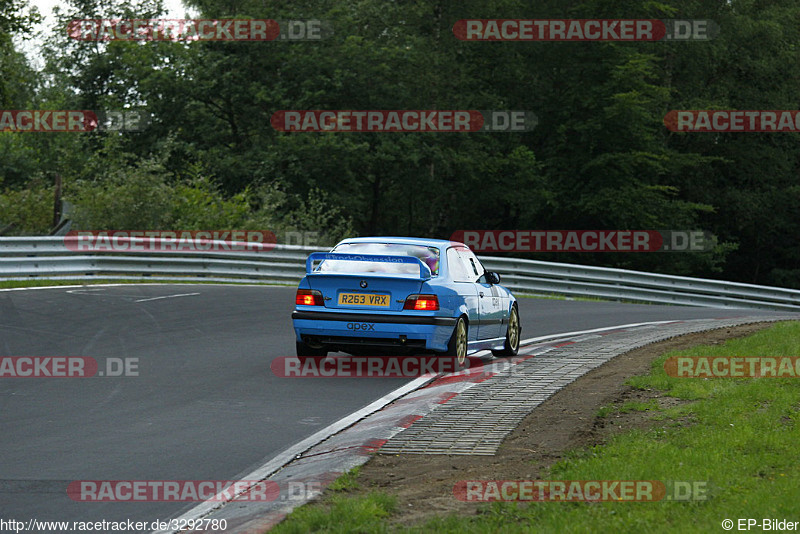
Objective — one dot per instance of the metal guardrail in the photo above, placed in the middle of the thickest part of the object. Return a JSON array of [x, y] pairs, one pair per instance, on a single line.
[[621, 284], [24, 258]]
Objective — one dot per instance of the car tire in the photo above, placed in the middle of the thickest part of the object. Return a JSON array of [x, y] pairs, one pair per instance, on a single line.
[[457, 346], [305, 351], [511, 345]]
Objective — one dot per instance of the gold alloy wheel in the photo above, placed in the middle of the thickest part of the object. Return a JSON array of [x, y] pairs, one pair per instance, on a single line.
[[461, 341], [513, 330]]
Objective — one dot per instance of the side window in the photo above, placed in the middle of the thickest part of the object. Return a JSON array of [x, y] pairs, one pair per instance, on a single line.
[[457, 268], [475, 266]]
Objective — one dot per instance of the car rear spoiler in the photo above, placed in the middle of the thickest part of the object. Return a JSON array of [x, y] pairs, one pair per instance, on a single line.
[[424, 270]]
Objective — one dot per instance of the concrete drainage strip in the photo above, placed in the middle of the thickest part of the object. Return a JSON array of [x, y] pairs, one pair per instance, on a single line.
[[491, 401]]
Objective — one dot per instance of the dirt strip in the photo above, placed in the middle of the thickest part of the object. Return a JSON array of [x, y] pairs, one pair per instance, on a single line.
[[423, 485]]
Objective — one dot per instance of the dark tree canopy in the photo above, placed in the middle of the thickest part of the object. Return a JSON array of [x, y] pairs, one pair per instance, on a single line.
[[600, 156]]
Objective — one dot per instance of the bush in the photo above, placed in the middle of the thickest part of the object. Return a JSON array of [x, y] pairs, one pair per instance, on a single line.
[[29, 210]]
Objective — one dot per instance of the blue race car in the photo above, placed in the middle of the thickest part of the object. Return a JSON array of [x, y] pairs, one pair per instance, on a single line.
[[421, 295]]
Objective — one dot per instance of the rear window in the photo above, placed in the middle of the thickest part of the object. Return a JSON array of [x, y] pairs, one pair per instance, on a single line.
[[428, 255]]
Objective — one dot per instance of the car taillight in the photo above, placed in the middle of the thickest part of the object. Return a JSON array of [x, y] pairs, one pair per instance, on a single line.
[[308, 297], [422, 302]]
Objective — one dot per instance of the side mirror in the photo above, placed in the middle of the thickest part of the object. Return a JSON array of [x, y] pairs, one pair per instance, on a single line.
[[492, 277]]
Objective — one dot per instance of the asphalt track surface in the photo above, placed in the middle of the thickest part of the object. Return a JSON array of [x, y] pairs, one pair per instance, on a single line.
[[205, 404]]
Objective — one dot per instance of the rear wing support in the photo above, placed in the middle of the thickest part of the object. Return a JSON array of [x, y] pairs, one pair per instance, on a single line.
[[424, 270]]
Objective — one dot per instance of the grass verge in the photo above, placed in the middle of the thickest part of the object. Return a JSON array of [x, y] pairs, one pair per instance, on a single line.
[[736, 443]]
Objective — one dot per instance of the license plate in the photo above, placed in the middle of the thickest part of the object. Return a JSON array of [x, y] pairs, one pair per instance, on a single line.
[[363, 299]]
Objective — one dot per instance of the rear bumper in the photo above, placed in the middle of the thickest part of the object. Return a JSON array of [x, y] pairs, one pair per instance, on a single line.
[[346, 330]]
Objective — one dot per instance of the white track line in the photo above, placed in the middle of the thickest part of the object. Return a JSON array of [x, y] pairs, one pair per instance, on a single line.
[[529, 341], [168, 297], [294, 451], [81, 286], [168, 283]]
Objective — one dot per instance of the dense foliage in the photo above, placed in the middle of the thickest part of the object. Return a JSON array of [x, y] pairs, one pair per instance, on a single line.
[[599, 158]]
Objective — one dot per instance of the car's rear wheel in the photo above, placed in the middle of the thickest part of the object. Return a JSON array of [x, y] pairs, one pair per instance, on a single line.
[[511, 346], [306, 351], [457, 347]]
